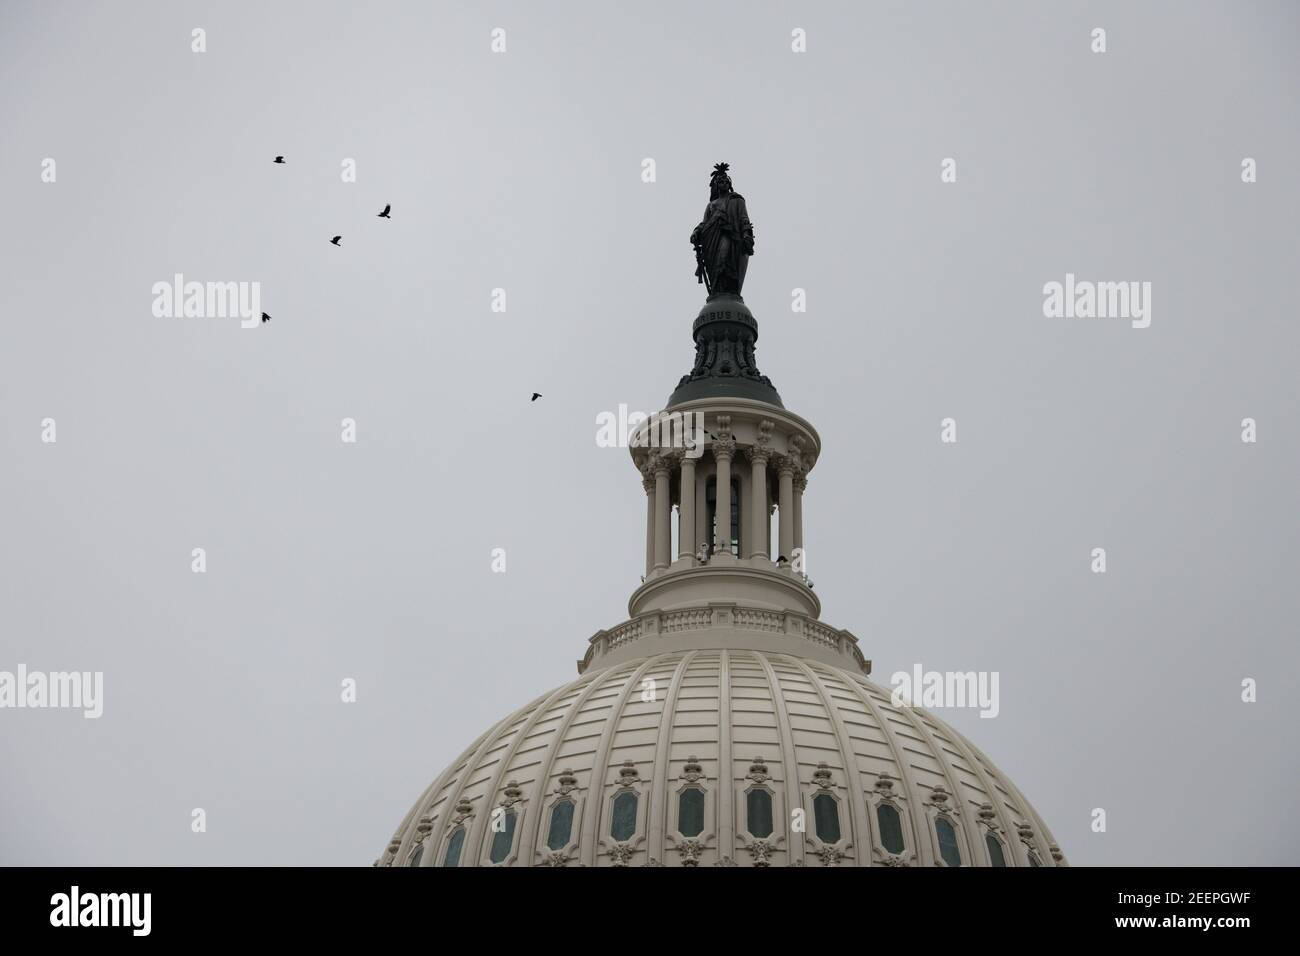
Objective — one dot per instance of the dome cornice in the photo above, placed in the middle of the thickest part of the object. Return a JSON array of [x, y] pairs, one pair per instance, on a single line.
[[718, 625], [755, 583]]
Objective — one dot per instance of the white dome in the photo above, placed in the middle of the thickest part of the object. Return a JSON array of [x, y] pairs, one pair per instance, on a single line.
[[709, 765], [722, 724]]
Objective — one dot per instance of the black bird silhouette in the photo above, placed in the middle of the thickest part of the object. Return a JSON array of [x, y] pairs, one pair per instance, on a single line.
[[385, 213], [265, 318], [536, 396], [280, 160], [336, 240]]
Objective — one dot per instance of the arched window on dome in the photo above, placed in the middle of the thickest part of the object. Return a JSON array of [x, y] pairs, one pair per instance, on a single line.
[[996, 856], [561, 829], [454, 845], [826, 818], [416, 853], [503, 838], [758, 812], [1033, 859], [624, 823], [948, 849], [690, 812], [891, 828]]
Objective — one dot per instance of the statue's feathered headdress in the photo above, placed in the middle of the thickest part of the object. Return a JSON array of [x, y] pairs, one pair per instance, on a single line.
[[720, 181]]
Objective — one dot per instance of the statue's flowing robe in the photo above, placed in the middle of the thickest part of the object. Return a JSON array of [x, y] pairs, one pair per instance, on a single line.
[[726, 241]]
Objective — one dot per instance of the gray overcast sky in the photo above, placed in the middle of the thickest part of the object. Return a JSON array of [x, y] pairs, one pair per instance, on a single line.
[[522, 171]]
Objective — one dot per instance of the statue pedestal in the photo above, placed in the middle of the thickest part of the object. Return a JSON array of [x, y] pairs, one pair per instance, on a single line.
[[725, 334]]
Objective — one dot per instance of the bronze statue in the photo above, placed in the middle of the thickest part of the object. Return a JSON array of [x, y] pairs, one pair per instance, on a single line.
[[724, 239]]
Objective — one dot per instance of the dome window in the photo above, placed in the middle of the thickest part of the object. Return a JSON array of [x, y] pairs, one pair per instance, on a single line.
[[624, 825], [557, 838], [996, 856], [452, 856], [690, 812], [504, 838], [758, 808], [948, 849], [826, 818], [1033, 859], [414, 858], [891, 828]]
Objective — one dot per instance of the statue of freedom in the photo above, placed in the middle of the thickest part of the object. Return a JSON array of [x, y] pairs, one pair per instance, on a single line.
[[724, 239]]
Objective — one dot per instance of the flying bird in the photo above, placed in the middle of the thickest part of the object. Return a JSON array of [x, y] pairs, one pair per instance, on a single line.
[[536, 396], [336, 240], [385, 213], [280, 160], [265, 318]]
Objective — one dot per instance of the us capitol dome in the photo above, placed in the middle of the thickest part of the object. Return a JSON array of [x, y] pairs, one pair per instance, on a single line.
[[723, 723]]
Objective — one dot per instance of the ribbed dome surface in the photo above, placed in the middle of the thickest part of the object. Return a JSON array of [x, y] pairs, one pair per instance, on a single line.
[[709, 764]]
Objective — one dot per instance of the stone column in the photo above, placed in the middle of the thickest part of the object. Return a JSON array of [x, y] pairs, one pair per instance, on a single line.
[[663, 511], [800, 483], [702, 533], [648, 483], [785, 470], [724, 447], [758, 503], [686, 543]]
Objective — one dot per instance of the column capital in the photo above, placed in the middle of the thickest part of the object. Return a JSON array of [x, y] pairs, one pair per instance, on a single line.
[[786, 465], [800, 481], [801, 453], [723, 443], [761, 450], [663, 462]]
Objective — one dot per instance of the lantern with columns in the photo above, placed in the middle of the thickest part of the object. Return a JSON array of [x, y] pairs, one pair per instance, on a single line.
[[748, 462]]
